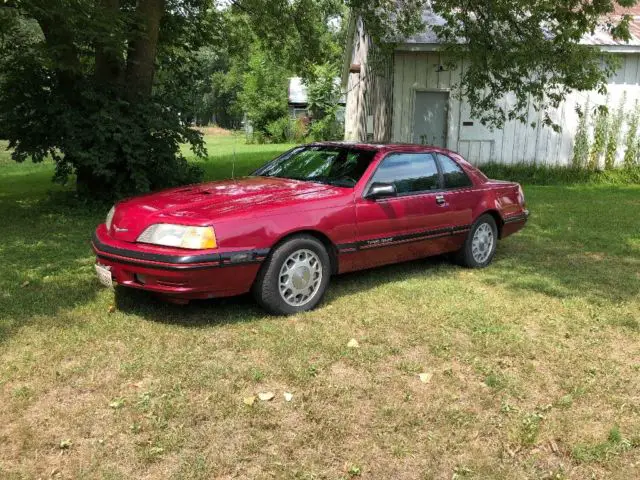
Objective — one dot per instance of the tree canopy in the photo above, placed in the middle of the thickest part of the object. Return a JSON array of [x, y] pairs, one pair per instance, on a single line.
[[110, 89], [530, 49]]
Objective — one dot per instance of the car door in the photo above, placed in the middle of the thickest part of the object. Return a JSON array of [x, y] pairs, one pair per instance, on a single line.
[[459, 195], [413, 223]]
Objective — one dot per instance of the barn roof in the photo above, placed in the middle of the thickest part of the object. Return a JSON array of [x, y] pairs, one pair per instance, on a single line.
[[601, 37], [298, 92]]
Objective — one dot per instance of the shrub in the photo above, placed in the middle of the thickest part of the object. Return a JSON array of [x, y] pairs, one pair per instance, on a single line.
[[324, 95], [631, 153], [614, 135], [580, 156], [601, 130], [281, 130], [300, 130], [558, 175], [113, 147], [326, 129]]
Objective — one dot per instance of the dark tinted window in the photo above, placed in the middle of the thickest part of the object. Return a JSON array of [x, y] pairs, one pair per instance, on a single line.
[[409, 172], [454, 175], [334, 165]]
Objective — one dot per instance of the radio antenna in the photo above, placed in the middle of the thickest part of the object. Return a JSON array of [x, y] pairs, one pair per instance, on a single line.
[[233, 165]]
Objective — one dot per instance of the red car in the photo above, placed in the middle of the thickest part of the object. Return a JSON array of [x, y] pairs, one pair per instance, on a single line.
[[315, 211]]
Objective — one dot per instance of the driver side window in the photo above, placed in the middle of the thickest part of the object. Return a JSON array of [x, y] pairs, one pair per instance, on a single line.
[[409, 172]]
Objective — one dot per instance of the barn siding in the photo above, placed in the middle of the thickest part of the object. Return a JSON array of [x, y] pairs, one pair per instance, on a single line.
[[368, 89], [516, 142]]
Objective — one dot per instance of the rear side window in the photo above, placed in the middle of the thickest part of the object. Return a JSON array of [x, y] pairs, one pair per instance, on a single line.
[[454, 175], [409, 172]]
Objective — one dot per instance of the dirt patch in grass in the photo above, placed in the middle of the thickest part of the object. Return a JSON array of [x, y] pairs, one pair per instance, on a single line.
[[215, 131]]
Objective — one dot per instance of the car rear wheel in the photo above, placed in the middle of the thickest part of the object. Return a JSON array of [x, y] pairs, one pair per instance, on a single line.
[[295, 276], [481, 243]]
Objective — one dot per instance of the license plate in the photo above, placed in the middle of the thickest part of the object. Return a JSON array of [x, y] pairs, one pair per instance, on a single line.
[[104, 275]]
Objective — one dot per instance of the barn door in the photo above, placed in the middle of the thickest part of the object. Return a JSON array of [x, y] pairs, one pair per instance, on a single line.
[[430, 118]]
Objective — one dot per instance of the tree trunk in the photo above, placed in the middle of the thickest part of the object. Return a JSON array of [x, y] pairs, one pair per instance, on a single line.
[[108, 60], [143, 47]]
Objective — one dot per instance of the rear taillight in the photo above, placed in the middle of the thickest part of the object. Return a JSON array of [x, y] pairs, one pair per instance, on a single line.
[[521, 198]]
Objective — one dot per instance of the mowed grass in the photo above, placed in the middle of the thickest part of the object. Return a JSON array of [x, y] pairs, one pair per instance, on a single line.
[[533, 364]]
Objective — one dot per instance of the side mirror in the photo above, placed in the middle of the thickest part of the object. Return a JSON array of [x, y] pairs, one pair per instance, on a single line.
[[381, 190]]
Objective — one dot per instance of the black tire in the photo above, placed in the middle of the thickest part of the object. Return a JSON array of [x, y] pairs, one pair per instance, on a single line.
[[266, 288], [465, 256]]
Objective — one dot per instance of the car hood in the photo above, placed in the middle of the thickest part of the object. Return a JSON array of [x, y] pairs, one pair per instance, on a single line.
[[202, 204]]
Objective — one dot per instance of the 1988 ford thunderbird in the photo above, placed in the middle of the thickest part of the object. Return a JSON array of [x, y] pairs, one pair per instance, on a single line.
[[316, 211]]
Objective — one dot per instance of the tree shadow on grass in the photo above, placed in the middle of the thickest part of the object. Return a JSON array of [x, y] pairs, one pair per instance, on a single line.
[[584, 248], [47, 262]]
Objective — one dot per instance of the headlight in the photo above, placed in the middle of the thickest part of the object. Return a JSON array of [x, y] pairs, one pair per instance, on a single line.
[[110, 215], [181, 236]]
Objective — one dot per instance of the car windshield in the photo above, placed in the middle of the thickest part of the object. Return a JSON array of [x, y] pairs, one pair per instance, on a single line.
[[332, 165]]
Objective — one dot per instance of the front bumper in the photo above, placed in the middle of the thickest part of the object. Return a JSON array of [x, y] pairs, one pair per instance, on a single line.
[[196, 275]]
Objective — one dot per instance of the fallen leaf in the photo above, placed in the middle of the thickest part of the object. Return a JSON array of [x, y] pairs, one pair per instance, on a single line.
[[266, 396], [156, 451], [353, 343], [25, 284], [288, 396], [354, 471], [425, 377], [117, 403], [112, 309], [249, 400]]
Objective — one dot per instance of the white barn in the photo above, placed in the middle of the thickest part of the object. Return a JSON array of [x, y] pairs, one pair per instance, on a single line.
[[414, 101]]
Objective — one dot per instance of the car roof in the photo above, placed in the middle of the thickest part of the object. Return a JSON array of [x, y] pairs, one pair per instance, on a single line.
[[387, 147]]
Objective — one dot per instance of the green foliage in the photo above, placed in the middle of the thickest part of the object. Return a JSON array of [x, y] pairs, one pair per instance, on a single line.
[[322, 90], [324, 96], [631, 153], [223, 97], [536, 55], [81, 91], [116, 148], [531, 174], [284, 130], [614, 135], [615, 445], [281, 130], [601, 130], [580, 156], [264, 93], [327, 129], [291, 37], [300, 33]]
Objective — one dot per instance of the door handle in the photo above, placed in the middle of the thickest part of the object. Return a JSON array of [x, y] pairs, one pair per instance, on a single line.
[[440, 200]]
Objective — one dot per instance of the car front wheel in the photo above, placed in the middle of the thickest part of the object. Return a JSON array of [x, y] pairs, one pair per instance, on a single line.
[[481, 243], [295, 276]]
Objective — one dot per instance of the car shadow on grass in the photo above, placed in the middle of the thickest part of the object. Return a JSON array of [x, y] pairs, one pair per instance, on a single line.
[[196, 314], [556, 271], [206, 313]]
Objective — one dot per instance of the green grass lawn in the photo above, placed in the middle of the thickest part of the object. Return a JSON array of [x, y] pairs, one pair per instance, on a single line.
[[533, 363]]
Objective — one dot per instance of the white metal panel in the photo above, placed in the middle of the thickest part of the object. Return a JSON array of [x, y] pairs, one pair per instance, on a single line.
[[515, 142], [398, 99]]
